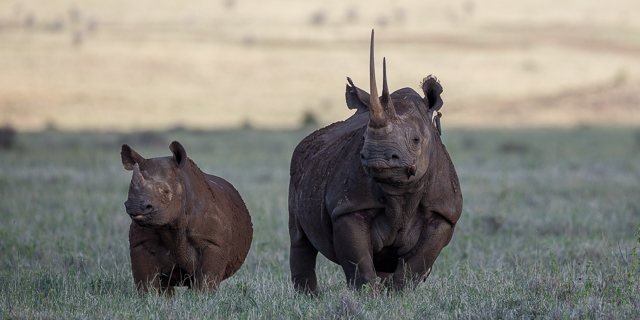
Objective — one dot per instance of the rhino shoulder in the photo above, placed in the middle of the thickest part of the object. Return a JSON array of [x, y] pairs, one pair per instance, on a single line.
[[328, 142]]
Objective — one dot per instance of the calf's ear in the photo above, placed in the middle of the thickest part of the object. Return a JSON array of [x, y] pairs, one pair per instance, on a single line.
[[432, 90], [179, 154], [129, 157]]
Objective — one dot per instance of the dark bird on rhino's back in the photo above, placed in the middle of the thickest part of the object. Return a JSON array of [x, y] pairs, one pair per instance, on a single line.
[[376, 193]]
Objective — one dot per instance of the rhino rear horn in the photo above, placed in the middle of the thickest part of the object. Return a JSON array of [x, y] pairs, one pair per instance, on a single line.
[[179, 154], [387, 104], [377, 117], [129, 157]]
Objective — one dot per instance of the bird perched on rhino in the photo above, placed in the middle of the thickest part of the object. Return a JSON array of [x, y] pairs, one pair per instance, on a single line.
[[188, 227], [376, 193]]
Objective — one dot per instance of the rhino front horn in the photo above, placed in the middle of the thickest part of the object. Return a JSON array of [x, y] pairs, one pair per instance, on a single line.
[[138, 179], [377, 118]]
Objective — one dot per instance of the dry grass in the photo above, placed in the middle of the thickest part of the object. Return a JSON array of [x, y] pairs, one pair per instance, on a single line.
[[139, 65]]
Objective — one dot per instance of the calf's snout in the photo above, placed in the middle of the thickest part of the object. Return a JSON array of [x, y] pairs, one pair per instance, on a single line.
[[141, 206]]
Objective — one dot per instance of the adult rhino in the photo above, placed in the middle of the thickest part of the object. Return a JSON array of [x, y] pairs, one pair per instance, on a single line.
[[188, 227], [376, 193]]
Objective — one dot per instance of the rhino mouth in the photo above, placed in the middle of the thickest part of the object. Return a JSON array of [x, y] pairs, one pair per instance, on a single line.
[[382, 172], [376, 165], [141, 218]]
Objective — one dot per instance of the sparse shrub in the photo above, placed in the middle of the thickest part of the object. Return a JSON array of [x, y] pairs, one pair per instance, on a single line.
[[229, 4], [74, 14], [309, 119], [55, 26], [469, 7], [145, 138], [29, 20], [246, 125], [530, 65], [469, 142], [620, 77], [50, 125], [492, 224], [513, 147], [249, 39], [92, 24], [400, 14], [78, 38], [382, 21], [352, 14], [318, 18], [7, 137]]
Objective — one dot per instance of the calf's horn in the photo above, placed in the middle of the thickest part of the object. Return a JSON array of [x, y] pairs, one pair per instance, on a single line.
[[377, 118], [138, 179]]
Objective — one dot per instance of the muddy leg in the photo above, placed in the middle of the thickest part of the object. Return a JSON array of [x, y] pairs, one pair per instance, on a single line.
[[211, 271], [352, 242], [302, 261], [146, 274], [435, 236]]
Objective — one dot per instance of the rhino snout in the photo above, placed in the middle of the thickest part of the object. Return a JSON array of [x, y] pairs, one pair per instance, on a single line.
[[141, 207], [380, 160]]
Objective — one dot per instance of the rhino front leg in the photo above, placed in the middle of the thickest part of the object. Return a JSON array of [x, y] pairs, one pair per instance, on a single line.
[[146, 270], [418, 263], [352, 243], [302, 261], [212, 269]]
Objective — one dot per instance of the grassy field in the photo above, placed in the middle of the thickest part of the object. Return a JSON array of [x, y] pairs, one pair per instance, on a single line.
[[547, 229]]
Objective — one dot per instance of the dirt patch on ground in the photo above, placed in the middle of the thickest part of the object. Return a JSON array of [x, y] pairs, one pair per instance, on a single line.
[[600, 105]]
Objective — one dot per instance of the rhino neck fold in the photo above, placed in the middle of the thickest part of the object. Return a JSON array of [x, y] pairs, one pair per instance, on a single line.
[[402, 200], [176, 235]]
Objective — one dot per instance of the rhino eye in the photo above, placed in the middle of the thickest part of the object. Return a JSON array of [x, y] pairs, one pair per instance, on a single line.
[[416, 140]]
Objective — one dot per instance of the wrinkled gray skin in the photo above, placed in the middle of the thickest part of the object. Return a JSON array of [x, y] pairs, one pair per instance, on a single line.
[[376, 193]]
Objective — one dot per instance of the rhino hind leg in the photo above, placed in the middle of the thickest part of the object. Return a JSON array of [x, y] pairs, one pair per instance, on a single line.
[[302, 261]]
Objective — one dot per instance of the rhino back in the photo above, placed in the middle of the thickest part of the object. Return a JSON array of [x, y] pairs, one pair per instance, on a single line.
[[231, 212]]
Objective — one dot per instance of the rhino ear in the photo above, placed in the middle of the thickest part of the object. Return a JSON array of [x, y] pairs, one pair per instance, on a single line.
[[432, 90], [129, 157], [356, 97], [179, 154]]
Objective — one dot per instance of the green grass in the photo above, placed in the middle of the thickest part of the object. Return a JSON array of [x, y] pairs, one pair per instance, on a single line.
[[547, 229]]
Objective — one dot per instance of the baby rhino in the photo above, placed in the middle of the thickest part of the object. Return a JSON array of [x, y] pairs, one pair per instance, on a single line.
[[188, 227]]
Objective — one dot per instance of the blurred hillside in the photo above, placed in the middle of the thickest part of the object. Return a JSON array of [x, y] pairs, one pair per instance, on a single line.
[[129, 65]]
